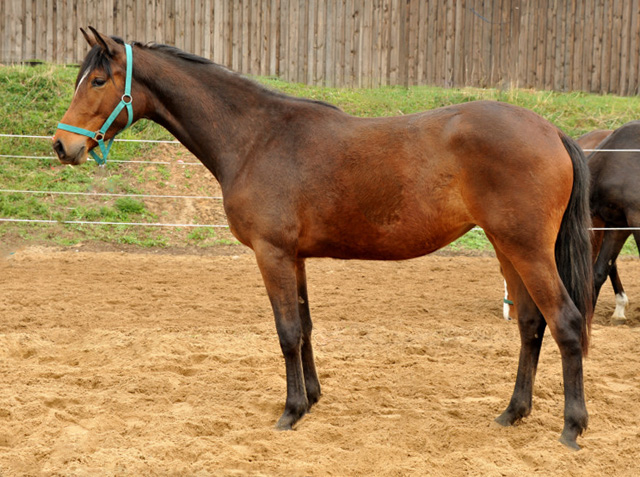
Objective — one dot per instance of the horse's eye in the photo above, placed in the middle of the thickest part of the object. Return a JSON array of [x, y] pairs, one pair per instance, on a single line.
[[97, 82]]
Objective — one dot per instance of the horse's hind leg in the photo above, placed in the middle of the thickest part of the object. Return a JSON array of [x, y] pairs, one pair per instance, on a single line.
[[539, 274], [531, 326], [278, 270], [308, 364], [621, 297], [605, 265]]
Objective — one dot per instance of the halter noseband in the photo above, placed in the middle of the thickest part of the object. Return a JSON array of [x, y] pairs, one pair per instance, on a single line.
[[125, 102]]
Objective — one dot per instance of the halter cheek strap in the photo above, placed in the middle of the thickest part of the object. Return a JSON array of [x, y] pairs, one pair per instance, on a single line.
[[125, 102]]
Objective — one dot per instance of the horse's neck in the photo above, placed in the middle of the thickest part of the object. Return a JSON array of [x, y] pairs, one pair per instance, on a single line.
[[217, 115]]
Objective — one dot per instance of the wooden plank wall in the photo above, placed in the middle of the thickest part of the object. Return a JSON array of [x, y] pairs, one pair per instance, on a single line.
[[589, 45]]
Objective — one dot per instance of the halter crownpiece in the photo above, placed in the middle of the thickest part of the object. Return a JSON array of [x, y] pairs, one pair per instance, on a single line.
[[125, 102]]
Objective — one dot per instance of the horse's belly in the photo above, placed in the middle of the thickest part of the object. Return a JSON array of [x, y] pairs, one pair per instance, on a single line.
[[383, 243]]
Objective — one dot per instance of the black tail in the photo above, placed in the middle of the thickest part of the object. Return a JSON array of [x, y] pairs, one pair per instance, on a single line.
[[573, 246]]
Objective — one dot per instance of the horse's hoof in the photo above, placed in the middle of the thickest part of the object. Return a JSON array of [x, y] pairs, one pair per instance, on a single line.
[[505, 419], [288, 420], [569, 442]]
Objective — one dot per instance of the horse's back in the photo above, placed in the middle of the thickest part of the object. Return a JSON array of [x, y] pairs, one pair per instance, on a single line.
[[615, 175]]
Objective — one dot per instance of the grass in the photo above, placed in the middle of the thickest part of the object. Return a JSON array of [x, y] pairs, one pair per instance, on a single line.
[[35, 99]]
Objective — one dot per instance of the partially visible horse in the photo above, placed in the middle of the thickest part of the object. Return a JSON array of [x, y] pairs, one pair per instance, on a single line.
[[615, 204], [302, 179], [614, 177], [591, 139]]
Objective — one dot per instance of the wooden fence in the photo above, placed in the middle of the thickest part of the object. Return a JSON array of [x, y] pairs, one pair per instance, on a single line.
[[589, 45]]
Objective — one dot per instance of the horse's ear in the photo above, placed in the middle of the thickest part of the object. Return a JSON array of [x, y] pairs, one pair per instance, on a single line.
[[90, 39], [109, 46]]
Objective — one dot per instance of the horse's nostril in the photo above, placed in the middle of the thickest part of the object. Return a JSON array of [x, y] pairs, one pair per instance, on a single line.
[[59, 148]]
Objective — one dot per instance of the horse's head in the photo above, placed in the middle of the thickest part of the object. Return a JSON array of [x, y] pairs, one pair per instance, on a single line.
[[100, 91]]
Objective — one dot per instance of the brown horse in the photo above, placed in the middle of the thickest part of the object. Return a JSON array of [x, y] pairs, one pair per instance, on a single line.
[[301, 179]]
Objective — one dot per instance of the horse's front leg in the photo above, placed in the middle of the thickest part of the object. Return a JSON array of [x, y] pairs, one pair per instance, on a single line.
[[308, 364], [279, 274]]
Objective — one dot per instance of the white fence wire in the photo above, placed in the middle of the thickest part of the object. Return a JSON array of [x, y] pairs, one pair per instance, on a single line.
[[147, 224]]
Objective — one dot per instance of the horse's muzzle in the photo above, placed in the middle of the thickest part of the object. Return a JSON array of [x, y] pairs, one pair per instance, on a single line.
[[67, 156]]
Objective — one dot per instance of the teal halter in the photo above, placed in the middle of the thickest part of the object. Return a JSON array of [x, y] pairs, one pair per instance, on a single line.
[[125, 102]]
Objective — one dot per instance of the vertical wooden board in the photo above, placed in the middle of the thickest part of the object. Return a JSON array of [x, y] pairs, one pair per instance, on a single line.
[[487, 29], [236, 35], [558, 83], [623, 77], [320, 43], [616, 45], [274, 40], [348, 38], [394, 33], [263, 34], [27, 40], [385, 50], [311, 41], [576, 54], [147, 22], [512, 48], [170, 22], [207, 28], [195, 23], [412, 17], [353, 51], [467, 45], [450, 48], [180, 13], [81, 22], [160, 23], [331, 41], [366, 45], [303, 41], [340, 42], [377, 34], [246, 26], [421, 42], [530, 46], [255, 32], [133, 18], [550, 42], [458, 44], [4, 56], [41, 32], [587, 48], [634, 48], [606, 46], [13, 12], [541, 39], [294, 40], [62, 30], [283, 63], [218, 32], [503, 38], [476, 47]]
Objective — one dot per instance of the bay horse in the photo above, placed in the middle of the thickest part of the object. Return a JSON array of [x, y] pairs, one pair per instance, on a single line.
[[301, 178]]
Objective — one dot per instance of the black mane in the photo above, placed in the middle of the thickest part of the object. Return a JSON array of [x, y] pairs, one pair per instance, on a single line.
[[183, 55], [96, 58]]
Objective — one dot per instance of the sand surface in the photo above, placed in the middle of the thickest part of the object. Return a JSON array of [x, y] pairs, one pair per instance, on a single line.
[[168, 364]]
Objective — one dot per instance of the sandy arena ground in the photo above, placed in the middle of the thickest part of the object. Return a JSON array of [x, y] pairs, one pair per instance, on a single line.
[[119, 363]]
